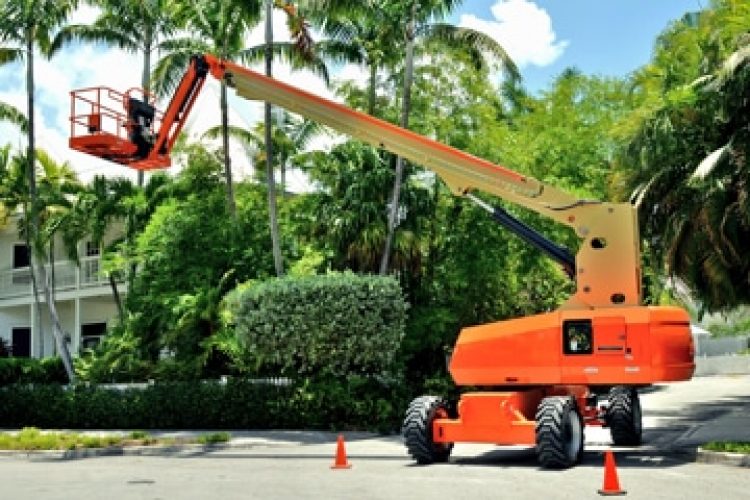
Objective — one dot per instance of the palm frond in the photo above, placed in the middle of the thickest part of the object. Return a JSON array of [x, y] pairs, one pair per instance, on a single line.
[[248, 138], [729, 70], [340, 52], [9, 55], [474, 42], [94, 34], [169, 70], [286, 52], [13, 115]]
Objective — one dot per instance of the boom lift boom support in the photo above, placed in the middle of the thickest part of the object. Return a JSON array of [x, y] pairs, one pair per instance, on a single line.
[[602, 339]]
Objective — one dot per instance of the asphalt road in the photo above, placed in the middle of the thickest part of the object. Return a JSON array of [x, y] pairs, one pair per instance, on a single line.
[[297, 465]]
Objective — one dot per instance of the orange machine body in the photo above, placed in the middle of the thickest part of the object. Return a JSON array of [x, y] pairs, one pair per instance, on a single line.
[[525, 360], [626, 346]]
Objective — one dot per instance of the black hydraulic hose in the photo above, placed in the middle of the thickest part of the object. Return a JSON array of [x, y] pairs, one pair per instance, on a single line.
[[556, 252]]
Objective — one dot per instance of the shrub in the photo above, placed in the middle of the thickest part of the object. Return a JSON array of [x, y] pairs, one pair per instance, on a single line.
[[214, 438], [332, 404], [332, 325], [32, 371]]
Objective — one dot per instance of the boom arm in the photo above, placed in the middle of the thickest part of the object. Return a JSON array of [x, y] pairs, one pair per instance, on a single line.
[[607, 265]]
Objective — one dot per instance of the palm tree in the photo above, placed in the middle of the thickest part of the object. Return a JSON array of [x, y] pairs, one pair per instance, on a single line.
[[132, 25], [687, 165], [302, 50], [360, 33], [97, 207], [29, 24], [420, 26], [216, 27], [347, 216], [290, 134], [57, 185], [12, 115]]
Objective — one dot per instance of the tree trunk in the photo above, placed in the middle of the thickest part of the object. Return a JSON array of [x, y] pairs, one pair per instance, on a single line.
[[34, 284], [273, 217], [282, 169], [51, 260], [62, 345], [34, 212], [116, 296], [145, 80], [231, 206], [405, 108], [371, 87]]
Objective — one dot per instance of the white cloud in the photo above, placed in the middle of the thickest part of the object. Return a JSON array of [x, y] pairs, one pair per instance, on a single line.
[[523, 28]]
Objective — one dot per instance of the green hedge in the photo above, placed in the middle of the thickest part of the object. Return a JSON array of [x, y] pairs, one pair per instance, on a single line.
[[355, 403], [336, 324], [32, 371]]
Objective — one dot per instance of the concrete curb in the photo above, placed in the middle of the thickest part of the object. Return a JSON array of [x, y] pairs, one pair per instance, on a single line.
[[112, 451], [723, 458], [240, 440]]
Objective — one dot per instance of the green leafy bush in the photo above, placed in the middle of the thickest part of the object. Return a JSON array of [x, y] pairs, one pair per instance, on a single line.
[[728, 446], [214, 438], [32, 371], [333, 404], [330, 325]]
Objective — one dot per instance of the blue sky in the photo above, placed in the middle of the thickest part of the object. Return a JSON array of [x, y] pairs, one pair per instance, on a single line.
[[604, 37]]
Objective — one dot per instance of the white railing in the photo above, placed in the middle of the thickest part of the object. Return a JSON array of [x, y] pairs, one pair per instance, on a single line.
[[68, 276]]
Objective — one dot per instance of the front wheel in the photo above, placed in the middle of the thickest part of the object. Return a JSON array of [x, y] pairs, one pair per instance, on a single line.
[[417, 430], [559, 433], [624, 416]]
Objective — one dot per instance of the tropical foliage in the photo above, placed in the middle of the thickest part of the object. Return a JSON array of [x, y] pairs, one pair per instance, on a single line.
[[686, 160]]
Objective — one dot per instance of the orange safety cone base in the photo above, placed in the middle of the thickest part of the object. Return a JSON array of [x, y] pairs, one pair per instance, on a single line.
[[609, 493], [611, 485], [345, 466], [340, 462]]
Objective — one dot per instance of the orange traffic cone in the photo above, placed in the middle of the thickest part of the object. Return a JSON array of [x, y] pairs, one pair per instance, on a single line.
[[340, 462], [611, 483]]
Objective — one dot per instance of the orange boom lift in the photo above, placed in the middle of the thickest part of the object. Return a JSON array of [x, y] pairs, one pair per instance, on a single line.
[[543, 377]]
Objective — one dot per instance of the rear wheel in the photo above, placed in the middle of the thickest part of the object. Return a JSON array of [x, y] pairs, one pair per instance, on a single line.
[[624, 416], [559, 433], [417, 430]]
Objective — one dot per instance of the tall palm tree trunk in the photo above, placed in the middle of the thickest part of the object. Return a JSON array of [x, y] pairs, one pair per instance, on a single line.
[[273, 217], [62, 346], [34, 285], [231, 205], [371, 84], [116, 296], [399, 174], [145, 81]]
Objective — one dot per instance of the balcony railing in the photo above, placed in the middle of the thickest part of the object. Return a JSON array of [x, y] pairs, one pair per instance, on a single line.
[[68, 276]]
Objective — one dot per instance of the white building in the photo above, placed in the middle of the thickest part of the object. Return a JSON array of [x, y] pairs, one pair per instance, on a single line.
[[83, 297]]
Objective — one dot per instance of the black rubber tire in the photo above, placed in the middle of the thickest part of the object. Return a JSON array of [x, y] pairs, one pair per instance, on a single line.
[[417, 430], [624, 416], [559, 433]]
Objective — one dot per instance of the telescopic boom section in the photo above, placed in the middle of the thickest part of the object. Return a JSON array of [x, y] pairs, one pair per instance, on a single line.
[[607, 265]]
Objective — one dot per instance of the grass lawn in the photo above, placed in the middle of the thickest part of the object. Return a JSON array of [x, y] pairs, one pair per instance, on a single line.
[[31, 438], [731, 446]]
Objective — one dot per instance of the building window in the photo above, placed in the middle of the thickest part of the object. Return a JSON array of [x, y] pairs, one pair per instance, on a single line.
[[92, 334], [577, 336], [21, 342], [92, 249], [21, 256]]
